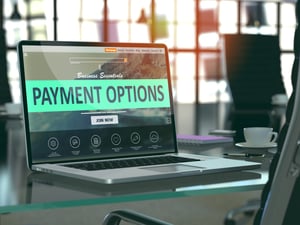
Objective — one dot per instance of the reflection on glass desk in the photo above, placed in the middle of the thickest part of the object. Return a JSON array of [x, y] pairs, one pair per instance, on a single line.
[[21, 189]]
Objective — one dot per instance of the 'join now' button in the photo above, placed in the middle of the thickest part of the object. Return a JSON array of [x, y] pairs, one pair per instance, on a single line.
[[104, 120]]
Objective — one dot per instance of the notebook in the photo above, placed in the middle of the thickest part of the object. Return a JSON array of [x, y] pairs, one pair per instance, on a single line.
[[103, 112], [198, 140]]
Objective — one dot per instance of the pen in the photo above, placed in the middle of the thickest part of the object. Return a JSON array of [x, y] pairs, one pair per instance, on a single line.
[[245, 154]]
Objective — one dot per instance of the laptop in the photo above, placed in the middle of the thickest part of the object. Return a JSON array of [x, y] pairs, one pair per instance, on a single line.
[[103, 112]]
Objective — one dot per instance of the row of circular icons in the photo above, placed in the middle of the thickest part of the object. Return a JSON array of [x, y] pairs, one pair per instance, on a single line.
[[74, 141]]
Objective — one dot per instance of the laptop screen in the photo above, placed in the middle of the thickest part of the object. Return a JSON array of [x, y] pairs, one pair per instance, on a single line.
[[95, 100]]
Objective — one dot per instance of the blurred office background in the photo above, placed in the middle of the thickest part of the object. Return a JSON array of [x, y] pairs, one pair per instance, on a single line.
[[192, 29]]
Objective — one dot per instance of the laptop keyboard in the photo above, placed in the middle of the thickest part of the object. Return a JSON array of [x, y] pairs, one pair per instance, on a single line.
[[123, 163]]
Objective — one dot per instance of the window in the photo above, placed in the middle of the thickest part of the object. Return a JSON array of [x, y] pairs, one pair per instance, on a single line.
[[193, 35]]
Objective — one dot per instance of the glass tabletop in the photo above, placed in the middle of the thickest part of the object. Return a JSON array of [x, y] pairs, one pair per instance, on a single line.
[[21, 189]]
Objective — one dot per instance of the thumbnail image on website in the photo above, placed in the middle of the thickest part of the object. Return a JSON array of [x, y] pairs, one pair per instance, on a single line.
[[89, 104]]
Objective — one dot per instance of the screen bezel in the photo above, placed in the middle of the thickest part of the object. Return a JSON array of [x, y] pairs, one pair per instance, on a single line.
[[23, 43]]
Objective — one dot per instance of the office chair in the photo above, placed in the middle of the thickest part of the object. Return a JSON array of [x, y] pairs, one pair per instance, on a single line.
[[253, 71], [132, 217]]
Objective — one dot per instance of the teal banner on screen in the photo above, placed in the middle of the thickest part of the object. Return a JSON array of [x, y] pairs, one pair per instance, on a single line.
[[76, 95]]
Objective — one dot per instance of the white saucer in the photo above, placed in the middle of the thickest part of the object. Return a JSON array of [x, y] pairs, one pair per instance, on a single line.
[[247, 145]]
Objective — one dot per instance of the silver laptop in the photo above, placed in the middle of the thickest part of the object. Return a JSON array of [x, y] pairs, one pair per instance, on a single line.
[[103, 112]]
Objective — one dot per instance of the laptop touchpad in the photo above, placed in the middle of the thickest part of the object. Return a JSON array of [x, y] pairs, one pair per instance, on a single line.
[[173, 168]]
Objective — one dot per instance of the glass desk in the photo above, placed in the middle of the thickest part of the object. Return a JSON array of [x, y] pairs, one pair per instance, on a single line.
[[21, 189]]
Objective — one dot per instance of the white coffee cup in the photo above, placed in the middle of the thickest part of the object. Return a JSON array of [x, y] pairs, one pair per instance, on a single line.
[[258, 136]]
